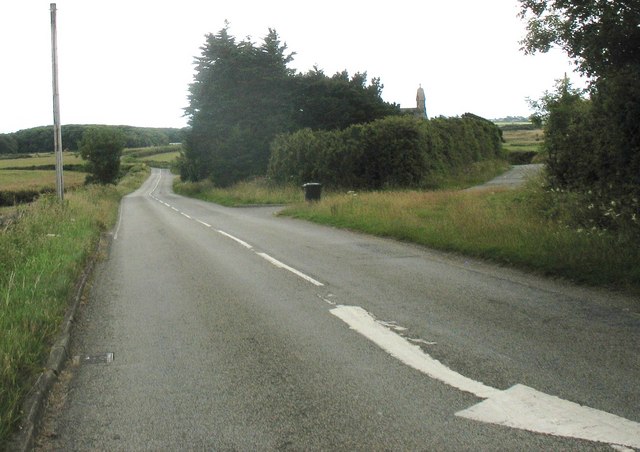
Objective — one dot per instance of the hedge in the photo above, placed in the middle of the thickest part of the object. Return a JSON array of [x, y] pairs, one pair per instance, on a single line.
[[394, 152]]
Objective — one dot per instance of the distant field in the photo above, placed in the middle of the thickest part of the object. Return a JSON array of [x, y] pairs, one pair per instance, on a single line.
[[68, 158], [17, 180], [165, 157], [151, 150], [523, 140]]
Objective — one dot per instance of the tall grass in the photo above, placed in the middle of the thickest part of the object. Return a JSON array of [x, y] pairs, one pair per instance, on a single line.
[[42, 254], [510, 226], [258, 191]]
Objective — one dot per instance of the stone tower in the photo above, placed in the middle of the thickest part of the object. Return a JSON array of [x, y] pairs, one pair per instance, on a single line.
[[421, 103]]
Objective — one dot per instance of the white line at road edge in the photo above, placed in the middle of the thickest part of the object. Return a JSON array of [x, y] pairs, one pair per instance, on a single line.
[[279, 264], [115, 235], [518, 407]]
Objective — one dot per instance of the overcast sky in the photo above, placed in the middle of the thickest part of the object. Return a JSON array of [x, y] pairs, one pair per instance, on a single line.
[[130, 62]]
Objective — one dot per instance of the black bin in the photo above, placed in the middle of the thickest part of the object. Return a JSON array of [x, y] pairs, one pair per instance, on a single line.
[[312, 191]]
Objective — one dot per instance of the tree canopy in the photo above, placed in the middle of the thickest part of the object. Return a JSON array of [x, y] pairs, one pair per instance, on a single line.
[[593, 142], [244, 94], [40, 139], [599, 35]]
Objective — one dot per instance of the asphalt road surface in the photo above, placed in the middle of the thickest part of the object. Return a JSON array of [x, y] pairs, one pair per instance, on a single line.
[[210, 328]]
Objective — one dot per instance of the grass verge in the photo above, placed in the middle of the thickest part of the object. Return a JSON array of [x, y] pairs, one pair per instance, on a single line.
[[261, 191], [42, 253], [509, 226], [254, 192]]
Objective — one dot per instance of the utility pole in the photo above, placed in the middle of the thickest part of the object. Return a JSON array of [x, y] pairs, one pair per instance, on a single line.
[[57, 132]]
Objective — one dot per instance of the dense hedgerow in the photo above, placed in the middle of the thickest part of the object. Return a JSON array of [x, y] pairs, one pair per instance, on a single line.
[[398, 151], [593, 149]]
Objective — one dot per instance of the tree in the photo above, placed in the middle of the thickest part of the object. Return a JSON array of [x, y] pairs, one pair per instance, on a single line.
[[601, 136], [594, 143], [564, 112], [238, 102], [244, 94], [8, 144], [328, 103], [102, 148], [601, 36]]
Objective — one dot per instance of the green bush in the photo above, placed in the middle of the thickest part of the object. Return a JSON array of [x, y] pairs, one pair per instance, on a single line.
[[398, 151], [593, 149], [102, 148]]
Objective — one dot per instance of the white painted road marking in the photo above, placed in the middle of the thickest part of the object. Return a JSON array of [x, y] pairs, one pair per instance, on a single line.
[[527, 409], [279, 264], [272, 260], [115, 235], [518, 407], [157, 183], [411, 355], [236, 239]]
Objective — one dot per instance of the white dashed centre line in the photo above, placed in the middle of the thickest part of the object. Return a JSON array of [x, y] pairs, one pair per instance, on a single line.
[[279, 264]]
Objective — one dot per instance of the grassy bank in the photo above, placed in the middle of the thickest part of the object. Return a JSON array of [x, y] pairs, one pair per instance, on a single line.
[[42, 253], [511, 226]]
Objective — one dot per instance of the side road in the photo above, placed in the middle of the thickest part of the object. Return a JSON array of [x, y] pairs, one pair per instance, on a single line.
[[515, 177]]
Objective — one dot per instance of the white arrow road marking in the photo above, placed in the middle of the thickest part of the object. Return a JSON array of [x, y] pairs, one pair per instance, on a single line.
[[518, 407], [527, 409], [411, 355]]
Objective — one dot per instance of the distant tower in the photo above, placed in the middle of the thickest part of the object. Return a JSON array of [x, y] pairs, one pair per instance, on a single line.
[[421, 103]]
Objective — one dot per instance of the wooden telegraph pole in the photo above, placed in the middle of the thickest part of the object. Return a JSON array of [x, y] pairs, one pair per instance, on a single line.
[[57, 132]]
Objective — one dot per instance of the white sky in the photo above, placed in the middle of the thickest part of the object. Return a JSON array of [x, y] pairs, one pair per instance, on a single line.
[[130, 61]]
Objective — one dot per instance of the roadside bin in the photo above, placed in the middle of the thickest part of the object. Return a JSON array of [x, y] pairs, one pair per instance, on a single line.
[[312, 191]]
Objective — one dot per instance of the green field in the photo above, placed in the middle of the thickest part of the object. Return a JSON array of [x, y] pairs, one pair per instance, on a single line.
[[39, 180], [523, 140], [164, 157], [68, 158]]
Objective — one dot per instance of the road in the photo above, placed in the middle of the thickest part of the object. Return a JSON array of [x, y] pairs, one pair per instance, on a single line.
[[514, 177], [211, 328]]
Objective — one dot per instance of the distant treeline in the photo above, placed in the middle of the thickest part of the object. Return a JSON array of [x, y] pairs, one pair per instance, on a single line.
[[40, 139], [398, 151]]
